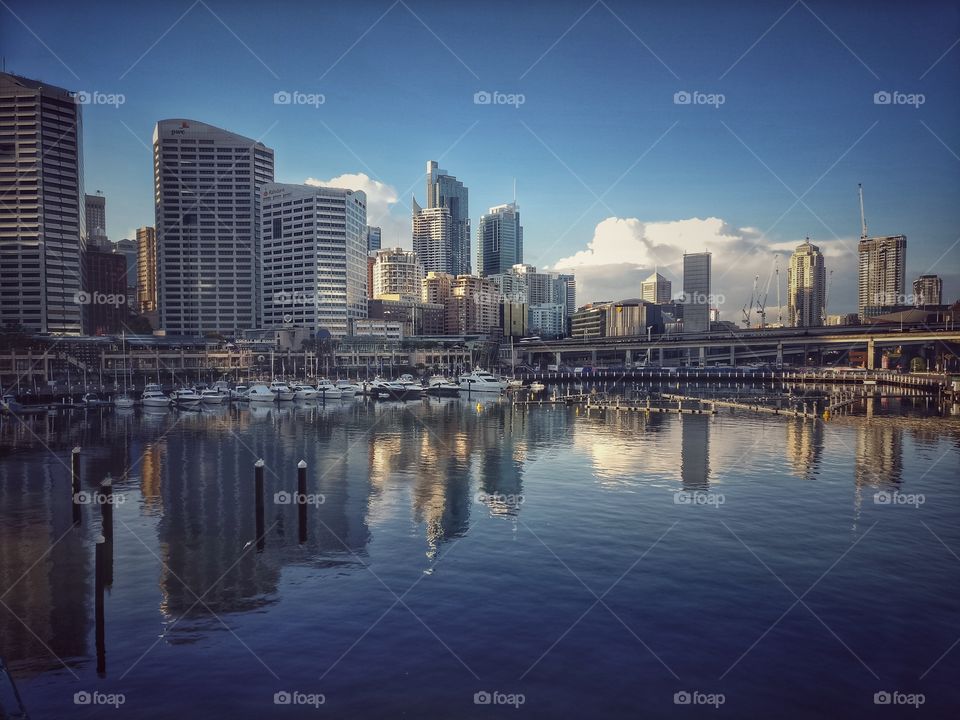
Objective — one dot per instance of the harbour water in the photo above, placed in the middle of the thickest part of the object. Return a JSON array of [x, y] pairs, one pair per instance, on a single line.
[[465, 559]]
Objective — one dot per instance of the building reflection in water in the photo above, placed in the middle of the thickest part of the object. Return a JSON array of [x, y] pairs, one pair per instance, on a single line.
[[695, 452], [803, 445]]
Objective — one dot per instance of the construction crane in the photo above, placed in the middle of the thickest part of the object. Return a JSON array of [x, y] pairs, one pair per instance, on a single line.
[[748, 307], [762, 302], [863, 219]]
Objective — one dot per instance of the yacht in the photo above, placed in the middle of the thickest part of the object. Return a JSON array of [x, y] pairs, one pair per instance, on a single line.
[[412, 388], [395, 389], [328, 391], [442, 386], [93, 400], [222, 387], [239, 393], [260, 394], [304, 392], [10, 403], [348, 389], [281, 390], [481, 381], [124, 402], [153, 397], [213, 397], [185, 397], [537, 386]]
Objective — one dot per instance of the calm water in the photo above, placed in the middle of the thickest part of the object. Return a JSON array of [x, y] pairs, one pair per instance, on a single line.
[[596, 564]]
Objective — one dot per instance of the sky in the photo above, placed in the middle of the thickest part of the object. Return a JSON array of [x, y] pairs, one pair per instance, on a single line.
[[615, 173]]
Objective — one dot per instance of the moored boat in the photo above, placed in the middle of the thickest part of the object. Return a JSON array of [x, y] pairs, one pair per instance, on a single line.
[[481, 381]]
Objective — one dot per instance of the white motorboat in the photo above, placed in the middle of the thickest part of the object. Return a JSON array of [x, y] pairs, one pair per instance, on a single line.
[[261, 394], [125, 402], [10, 403], [281, 390], [239, 393], [302, 391], [153, 397], [93, 400], [481, 381], [348, 389], [517, 384], [210, 396], [412, 386], [396, 389], [185, 397], [223, 387], [442, 386], [537, 386], [328, 391]]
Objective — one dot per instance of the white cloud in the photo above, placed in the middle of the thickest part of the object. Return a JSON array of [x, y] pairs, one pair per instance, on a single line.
[[382, 200], [624, 251]]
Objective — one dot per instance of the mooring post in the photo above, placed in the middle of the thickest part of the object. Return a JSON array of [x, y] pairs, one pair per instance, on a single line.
[[302, 498], [105, 500], [258, 499], [100, 573], [75, 483]]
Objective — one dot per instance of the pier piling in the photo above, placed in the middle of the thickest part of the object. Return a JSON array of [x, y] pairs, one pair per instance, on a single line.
[[258, 492], [100, 575], [75, 483], [301, 499]]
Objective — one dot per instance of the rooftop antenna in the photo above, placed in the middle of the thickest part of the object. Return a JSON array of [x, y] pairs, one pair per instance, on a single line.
[[863, 219]]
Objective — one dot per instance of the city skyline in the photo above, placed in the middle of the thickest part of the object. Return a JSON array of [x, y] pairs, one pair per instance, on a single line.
[[658, 209]]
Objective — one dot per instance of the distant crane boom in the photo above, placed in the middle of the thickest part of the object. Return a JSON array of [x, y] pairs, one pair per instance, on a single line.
[[863, 219]]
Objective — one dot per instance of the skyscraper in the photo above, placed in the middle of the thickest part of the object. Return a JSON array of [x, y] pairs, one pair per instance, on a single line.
[[927, 290], [445, 190], [147, 269], [42, 224], [208, 184], [314, 265], [397, 272], [806, 287], [373, 238], [499, 240], [433, 238], [95, 207], [696, 292], [881, 278], [656, 289]]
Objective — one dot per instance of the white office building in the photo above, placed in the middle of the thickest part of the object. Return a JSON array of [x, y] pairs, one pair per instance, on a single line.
[[208, 184], [314, 260], [397, 272]]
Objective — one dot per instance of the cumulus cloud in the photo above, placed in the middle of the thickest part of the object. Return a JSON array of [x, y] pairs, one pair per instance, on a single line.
[[624, 251], [382, 200]]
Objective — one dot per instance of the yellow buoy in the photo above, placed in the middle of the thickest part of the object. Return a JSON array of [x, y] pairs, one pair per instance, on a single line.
[[479, 407], [826, 414]]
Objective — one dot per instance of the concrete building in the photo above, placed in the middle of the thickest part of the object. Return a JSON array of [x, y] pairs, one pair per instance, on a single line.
[[499, 240], [547, 320], [415, 317], [631, 318], [806, 287], [106, 295], [513, 319], [881, 277], [95, 209], [656, 289], [433, 239], [512, 286], [207, 189], [590, 321], [314, 259], [437, 287], [42, 217], [128, 248], [373, 238], [397, 272], [389, 329], [445, 191], [696, 292], [147, 269], [473, 307], [928, 290]]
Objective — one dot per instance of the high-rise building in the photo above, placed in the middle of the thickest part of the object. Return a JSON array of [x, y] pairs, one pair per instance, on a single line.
[[882, 272], [208, 184], [656, 289], [928, 290], [147, 269], [128, 248], [696, 292], [446, 191], [499, 240], [373, 238], [433, 238], [42, 224], [806, 287], [106, 285], [473, 307], [545, 295], [95, 207], [397, 272], [437, 287], [314, 261]]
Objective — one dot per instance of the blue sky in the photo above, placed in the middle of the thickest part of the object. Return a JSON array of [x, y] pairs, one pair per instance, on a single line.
[[598, 117]]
